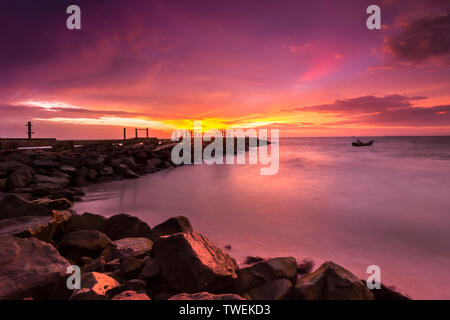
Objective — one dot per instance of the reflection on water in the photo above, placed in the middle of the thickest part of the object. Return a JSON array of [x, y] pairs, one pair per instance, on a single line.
[[387, 205]]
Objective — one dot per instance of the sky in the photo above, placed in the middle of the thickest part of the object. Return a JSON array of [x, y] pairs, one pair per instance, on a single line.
[[307, 68]]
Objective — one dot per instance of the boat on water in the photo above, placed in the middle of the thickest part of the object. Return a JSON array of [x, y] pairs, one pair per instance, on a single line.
[[362, 144]]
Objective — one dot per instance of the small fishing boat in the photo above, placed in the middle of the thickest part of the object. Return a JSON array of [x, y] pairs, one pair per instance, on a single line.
[[362, 144]]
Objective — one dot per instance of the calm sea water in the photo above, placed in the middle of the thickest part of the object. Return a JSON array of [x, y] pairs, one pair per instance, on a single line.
[[388, 205]]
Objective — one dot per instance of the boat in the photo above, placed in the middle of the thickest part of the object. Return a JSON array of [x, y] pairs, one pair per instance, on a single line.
[[362, 144]]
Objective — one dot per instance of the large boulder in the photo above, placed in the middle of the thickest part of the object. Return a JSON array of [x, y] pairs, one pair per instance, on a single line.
[[171, 226], [206, 296], [86, 221], [331, 282], [83, 243], [12, 207], [267, 270], [280, 289], [94, 286], [189, 263], [123, 225], [40, 227], [131, 295], [31, 268]]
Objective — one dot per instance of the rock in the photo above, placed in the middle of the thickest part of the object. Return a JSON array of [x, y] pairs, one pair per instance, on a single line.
[[12, 207], [58, 182], [20, 177], [304, 266], [94, 286], [31, 268], [42, 163], [205, 296], [3, 184], [123, 225], [172, 225], [387, 293], [133, 285], [150, 269], [97, 265], [331, 282], [130, 267], [106, 171], [43, 189], [128, 247], [280, 289], [41, 227], [189, 262], [86, 221], [68, 169], [82, 243], [92, 174], [131, 295], [55, 204], [267, 270], [252, 259], [153, 163], [112, 265], [125, 171]]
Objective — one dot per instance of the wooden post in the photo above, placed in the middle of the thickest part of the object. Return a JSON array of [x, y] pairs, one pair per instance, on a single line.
[[147, 132], [29, 130], [136, 132], [124, 133]]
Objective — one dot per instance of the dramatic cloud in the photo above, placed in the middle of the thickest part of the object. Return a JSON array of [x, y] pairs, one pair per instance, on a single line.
[[425, 39], [364, 104], [389, 111]]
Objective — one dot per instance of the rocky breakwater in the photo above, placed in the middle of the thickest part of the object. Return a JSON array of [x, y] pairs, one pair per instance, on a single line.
[[123, 258], [60, 173]]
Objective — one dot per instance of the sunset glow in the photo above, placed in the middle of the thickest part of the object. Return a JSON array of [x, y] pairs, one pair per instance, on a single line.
[[167, 64]]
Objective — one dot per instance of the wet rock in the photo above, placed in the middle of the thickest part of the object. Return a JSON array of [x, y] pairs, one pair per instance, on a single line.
[[94, 286], [189, 262], [82, 243], [86, 221], [40, 227], [267, 270], [31, 268], [331, 282], [172, 225], [57, 182], [131, 295], [12, 206], [206, 296], [55, 204], [132, 247], [280, 289], [125, 226]]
